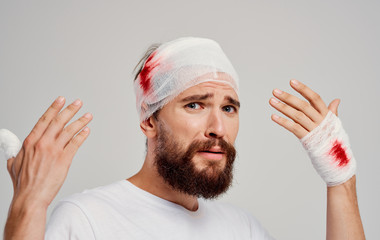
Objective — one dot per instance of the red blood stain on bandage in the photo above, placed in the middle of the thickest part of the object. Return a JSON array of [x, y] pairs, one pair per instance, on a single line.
[[146, 73], [339, 154]]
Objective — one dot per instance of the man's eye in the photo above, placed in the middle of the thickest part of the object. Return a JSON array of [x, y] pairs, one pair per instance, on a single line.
[[193, 105], [229, 109]]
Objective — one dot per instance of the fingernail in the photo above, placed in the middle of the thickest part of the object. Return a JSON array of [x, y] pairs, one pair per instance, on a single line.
[[77, 102], [60, 99], [274, 101], [294, 82], [88, 115], [278, 91], [275, 116], [86, 129]]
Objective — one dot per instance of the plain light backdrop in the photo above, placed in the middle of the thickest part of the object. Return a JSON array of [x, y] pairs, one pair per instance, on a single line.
[[88, 49]]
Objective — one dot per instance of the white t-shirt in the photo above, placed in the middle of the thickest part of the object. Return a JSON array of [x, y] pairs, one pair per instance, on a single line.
[[123, 211]]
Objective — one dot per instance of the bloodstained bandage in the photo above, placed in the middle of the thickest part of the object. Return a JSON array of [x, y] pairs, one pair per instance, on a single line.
[[178, 65], [329, 150], [147, 72], [339, 154]]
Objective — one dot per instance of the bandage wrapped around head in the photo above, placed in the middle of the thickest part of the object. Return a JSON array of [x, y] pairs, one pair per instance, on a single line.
[[176, 66]]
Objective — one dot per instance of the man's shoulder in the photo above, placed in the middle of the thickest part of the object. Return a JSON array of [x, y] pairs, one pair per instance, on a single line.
[[92, 203], [75, 216], [105, 193]]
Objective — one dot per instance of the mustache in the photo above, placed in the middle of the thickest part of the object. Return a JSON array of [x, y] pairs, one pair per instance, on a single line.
[[201, 146]]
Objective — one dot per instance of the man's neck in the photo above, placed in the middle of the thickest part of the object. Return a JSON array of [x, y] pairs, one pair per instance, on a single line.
[[149, 180]]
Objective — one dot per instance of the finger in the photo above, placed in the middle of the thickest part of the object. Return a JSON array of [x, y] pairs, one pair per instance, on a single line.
[[68, 133], [314, 99], [45, 120], [333, 106], [73, 146], [298, 104], [291, 126], [297, 116], [58, 123]]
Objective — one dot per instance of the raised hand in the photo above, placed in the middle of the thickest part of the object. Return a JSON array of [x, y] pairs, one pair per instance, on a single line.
[[320, 131], [322, 135], [40, 168], [305, 115]]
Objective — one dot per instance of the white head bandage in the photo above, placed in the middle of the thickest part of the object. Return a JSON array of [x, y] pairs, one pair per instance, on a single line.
[[9, 143], [176, 66]]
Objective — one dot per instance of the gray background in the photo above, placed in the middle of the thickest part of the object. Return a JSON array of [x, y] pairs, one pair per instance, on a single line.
[[87, 50]]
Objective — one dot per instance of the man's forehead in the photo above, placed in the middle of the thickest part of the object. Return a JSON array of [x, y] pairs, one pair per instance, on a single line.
[[209, 90], [217, 77], [211, 87], [219, 80]]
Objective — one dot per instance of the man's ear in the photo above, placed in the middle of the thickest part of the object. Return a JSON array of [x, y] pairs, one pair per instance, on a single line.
[[149, 127]]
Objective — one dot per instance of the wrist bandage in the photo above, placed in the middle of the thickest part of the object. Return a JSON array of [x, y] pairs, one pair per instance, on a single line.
[[9, 143], [329, 150], [177, 65]]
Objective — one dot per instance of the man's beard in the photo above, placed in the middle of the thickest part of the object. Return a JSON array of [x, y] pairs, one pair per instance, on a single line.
[[177, 167]]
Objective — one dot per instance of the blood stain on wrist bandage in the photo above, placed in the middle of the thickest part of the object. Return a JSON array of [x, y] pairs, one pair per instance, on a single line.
[[339, 154], [146, 72]]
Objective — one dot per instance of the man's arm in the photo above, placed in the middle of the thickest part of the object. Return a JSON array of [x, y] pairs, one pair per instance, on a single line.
[[25, 221], [40, 168], [343, 218]]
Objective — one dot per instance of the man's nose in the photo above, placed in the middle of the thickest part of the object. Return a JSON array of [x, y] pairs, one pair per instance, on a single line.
[[215, 125]]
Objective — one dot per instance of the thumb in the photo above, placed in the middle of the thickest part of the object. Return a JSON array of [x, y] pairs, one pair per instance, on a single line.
[[333, 106], [10, 164], [12, 172]]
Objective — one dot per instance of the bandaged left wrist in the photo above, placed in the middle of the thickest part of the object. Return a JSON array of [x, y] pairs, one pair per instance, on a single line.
[[329, 150]]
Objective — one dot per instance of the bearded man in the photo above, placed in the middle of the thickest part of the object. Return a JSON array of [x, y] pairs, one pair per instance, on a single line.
[[187, 98]]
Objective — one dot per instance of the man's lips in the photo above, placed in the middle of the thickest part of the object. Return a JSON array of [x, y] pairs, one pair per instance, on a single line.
[[214, 153], [215, 149]]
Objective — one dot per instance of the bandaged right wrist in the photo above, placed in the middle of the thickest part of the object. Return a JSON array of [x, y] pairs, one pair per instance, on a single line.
[[329, 150]]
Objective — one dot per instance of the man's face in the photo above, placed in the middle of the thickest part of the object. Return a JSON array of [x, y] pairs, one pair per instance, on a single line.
[[195, 136]]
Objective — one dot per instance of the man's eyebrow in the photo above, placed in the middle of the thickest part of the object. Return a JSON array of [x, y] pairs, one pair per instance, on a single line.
[[197, 97], [210, 95], [232, 101]]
